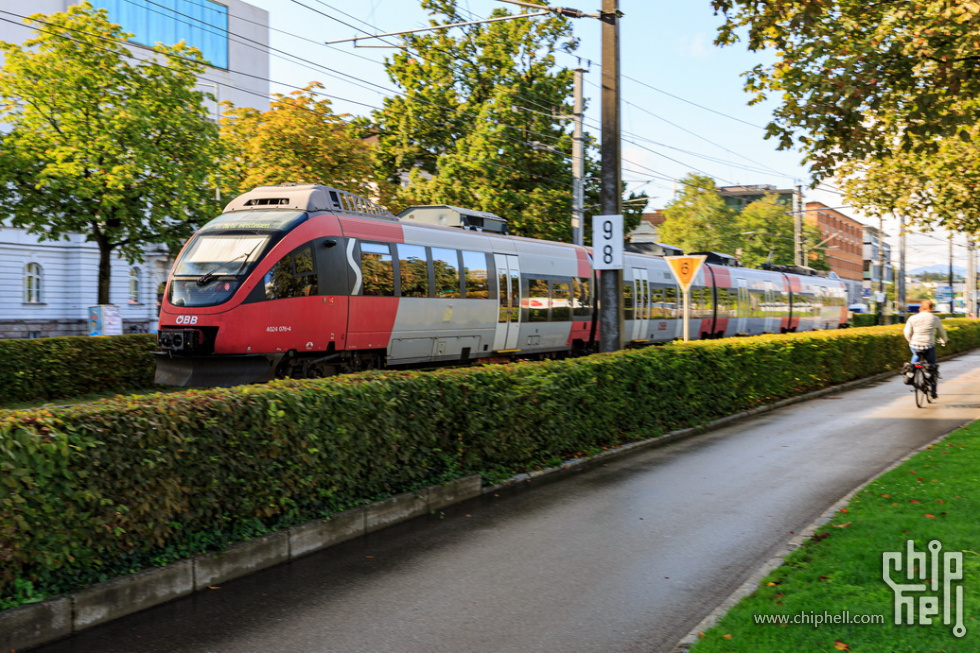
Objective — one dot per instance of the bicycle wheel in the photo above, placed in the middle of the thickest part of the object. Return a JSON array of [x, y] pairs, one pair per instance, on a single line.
[[921, 387]]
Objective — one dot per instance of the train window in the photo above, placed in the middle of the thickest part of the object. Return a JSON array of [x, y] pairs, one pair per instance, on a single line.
[[671, 302], [701, 301], [561, 305], [413, 269], [727, 302], [377, 270], [445, 264], [657, 302], [538, 300], [293, 276], [475, 275], [582, 297]]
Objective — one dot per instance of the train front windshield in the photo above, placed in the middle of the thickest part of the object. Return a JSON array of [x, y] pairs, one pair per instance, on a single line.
[[223, 253]]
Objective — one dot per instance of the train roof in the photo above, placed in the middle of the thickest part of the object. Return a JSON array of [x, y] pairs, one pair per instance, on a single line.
[[307, 197], [453, 216]]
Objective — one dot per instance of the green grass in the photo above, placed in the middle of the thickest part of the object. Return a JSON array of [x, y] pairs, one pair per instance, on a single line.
[[933, 496]]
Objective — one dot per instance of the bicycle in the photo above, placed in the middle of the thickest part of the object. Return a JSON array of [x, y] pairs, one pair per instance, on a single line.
[[924, 382]]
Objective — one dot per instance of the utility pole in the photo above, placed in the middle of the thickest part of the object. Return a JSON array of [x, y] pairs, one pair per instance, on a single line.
[[952, 295], [970, 287], [610, 281], [900, 299], [880, 299], [798, 257], [578, 163]]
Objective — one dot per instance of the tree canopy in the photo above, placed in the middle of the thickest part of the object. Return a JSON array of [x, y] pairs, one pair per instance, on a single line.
[[116, 148], [482, 121], [765, 233], [697, 218], [298, 139], [885, 95]]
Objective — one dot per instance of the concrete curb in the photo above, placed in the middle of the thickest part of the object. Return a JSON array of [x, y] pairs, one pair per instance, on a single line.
[[40, 623]]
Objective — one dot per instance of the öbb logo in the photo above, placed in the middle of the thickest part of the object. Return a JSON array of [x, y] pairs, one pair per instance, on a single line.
[[186, 319]]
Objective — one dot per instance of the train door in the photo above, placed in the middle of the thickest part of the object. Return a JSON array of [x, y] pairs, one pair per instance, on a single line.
[[509, 313], [744, 307], [641, 301]]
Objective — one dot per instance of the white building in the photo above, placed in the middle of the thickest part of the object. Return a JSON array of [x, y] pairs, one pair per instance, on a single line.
[[46, 288]]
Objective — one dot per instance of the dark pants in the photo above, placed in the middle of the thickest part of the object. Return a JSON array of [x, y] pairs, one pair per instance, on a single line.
[[928, 355]]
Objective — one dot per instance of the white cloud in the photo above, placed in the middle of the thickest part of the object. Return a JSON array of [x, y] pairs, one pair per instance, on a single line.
[[696, 46]]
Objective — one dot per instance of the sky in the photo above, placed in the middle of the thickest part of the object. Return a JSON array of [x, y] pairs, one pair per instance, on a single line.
[[684, 109]]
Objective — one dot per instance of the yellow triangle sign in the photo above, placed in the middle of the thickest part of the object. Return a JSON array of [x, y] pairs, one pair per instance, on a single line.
[[685, 268]]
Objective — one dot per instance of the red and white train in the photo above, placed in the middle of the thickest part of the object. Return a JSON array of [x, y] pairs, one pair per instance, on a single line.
[[308, 281]]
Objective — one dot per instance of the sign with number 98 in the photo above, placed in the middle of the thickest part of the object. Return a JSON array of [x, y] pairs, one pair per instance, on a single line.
[[607, 242]]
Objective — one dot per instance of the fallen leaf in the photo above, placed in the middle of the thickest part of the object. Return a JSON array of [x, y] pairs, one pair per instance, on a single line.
[[887, 496], [727, 636], [913, 501], [843, 509], [841, 525], [824, 578], [930, 516], [841, 646]]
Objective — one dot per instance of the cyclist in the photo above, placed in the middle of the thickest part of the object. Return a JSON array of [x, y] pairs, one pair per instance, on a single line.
[[922, 331]]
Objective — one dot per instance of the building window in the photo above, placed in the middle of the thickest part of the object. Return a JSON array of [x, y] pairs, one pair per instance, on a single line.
[[134, 285], [199, 23], [32, 283]]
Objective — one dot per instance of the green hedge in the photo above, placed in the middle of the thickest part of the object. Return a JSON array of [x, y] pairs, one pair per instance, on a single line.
[[55, 368], [92, 491], [863, 319]]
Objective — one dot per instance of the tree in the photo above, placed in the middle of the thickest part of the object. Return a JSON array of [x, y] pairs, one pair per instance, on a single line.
[[766, 233], [871, 89], [298, 139], [697, 219], [479, 123], [117, 149]]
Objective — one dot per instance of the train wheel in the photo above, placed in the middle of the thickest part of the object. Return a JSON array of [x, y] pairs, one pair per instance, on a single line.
[[362, 361]]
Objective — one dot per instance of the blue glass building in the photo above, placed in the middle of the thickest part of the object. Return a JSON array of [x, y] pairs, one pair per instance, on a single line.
[[202, 24]]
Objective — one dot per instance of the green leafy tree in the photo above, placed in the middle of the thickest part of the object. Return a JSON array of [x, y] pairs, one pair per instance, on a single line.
[[479, 121], [298, 139], [697, 219], [766, 232], [100, 143], [884, 94]]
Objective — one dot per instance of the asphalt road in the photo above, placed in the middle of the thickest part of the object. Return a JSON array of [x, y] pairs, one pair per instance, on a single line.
[[627, 556]]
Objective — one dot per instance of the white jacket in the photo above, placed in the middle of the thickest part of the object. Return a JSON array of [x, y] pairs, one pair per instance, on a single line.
[[922, 329]]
